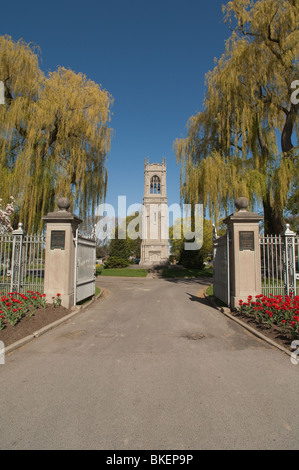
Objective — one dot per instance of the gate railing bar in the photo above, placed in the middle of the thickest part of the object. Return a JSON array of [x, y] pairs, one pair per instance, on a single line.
[[76, 266], [17, 258], [228, 268], [5, 261]]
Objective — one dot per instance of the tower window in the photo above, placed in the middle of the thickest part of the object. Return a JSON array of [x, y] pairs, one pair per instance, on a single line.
[[155, 185]]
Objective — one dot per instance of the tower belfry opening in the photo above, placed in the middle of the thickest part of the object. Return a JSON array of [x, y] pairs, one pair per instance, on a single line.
[[155, 185], [154, 245]]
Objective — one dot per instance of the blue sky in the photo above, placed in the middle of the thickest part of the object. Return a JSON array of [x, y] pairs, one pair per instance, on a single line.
[[152, 56]]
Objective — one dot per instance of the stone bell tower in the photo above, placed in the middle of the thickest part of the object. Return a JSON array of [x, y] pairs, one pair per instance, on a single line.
[[155, 245]]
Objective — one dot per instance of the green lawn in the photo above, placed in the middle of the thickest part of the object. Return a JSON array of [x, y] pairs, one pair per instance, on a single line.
[[184, 272], [210, 290], [123, 272], [97, 291], [210, 293], [88, 299]]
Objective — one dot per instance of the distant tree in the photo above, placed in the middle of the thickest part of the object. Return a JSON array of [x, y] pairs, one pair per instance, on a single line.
[[192, 259], [102, 250], [54, 135], [119, 248], [114, 262], [177, 244], [134, 243]]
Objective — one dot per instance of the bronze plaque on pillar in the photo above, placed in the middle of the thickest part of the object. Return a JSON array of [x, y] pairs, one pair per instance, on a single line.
[[246, 241], [57, 239]]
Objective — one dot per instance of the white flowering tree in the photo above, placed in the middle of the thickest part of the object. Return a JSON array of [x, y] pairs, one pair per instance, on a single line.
[[5, 214]]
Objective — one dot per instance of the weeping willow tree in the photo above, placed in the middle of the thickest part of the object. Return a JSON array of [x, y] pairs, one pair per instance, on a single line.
[[241, 143], [54, 135]]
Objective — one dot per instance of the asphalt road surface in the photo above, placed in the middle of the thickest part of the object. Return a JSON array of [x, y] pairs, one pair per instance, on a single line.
[[149, 366]]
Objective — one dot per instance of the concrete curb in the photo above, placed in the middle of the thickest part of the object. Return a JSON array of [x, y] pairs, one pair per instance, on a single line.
[[45, 329], [226, 311]]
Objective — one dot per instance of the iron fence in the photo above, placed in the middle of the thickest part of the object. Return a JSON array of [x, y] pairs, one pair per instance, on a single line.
[[279, 263], [297, 259], [22, 262], [6, 243], [272, 265]]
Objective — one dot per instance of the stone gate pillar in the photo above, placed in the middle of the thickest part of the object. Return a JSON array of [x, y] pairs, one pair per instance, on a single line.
[[61, 228], [244, 253]]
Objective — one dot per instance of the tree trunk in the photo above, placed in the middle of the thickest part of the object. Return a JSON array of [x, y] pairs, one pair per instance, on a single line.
[[273, 216], [286, 135], [273, 219]]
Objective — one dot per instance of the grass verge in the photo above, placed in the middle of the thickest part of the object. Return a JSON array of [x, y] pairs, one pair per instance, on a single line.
[[210, 293], [123, 272], [97, 291], [82, 302]]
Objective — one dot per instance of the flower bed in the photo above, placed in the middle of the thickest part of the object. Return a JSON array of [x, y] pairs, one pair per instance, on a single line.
[[15, 306], [27, 313], [273, 313]]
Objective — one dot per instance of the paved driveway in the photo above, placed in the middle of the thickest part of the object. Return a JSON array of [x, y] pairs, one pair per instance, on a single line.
[[150, 366]]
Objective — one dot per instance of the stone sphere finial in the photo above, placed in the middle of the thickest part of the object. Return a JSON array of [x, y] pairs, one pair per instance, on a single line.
[[63, 203], [242, 203]]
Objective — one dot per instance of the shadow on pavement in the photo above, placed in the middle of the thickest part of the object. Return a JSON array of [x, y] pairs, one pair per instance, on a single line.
[[205, 281], [202, 300]]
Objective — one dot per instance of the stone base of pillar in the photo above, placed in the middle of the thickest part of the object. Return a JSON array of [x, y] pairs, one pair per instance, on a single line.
[[235, 300], [67, 300]]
